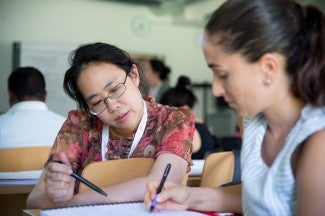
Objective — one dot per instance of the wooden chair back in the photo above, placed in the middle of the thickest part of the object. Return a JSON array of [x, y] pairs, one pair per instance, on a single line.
[[107, 173], [218, 169], [23, 158]]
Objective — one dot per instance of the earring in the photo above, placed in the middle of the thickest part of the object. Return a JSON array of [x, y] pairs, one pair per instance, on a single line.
[[268, 82]]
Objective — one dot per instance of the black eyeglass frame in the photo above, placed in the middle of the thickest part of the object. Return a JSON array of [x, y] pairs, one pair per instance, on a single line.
[[109, 96]]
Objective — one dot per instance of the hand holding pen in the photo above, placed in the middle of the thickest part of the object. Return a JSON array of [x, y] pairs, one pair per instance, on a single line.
[[162, 182], [63, 159], [84, 181]]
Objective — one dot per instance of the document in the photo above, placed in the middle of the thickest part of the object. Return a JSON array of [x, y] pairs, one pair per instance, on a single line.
[[120, 209]]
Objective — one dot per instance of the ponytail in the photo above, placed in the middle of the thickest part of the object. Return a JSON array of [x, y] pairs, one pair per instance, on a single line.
[[310, 57]]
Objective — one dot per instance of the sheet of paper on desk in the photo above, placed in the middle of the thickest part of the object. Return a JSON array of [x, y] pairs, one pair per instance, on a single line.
[[18, 181], [197, 167], [138, 209], [30, 174]]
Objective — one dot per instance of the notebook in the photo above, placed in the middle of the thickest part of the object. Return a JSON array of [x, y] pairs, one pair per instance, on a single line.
[[117, 209]]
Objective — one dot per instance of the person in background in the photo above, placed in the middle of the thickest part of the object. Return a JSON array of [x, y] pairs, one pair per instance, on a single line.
[[182, 95], [113, 122], [156, 74], [28, 122], [267, 59]]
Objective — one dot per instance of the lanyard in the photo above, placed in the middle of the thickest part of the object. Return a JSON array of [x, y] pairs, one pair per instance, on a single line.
[[137, 137]]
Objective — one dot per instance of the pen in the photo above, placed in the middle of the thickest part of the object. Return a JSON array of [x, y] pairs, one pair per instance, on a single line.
[[85, 181], [162, 182]]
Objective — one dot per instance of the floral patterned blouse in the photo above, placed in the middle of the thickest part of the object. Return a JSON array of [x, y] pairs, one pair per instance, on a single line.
[[168, 129]]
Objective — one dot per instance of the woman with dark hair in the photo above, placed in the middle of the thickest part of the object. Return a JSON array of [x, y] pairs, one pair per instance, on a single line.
[[268, 62], [182, 95], [156, 74], [113, 122]]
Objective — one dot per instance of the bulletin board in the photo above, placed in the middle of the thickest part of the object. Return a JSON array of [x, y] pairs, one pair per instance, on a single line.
[[52, 61]]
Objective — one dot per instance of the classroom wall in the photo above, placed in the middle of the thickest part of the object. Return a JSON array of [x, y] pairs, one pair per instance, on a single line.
[[84, 21]]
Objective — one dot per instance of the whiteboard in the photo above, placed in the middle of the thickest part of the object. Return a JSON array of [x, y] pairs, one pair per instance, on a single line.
[[52, 60]]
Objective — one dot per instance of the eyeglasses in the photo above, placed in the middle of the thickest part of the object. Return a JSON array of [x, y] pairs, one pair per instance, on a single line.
[[115, 93]]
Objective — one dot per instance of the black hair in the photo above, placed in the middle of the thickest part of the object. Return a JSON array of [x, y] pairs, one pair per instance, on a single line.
[[26, 83], [256, 27], [180, 95], [93, 53], [159, 67]]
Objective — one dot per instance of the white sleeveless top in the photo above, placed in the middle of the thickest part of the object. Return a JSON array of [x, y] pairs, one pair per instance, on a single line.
[[271, 190]]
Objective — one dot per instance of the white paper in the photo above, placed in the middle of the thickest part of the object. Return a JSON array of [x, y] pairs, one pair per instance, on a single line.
[[197, 167], [138, 209], [30, 174], [18, 181]]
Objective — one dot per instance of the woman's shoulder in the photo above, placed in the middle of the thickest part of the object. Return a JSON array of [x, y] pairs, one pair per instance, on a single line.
[[156, 107], [83, 119], [175, 112], [76, 116], [165, 115]]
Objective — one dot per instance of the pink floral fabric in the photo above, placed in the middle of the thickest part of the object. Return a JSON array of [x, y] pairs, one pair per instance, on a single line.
[[168, 129]]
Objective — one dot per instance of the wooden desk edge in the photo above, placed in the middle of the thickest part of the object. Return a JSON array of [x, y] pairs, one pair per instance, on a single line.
[[31, 212], [16, 189], [194, 181]]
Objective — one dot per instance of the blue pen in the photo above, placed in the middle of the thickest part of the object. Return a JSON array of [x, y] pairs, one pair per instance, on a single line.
[[162, 182]]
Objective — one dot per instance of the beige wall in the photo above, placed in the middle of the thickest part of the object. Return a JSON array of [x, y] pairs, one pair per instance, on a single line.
[[83, 21]]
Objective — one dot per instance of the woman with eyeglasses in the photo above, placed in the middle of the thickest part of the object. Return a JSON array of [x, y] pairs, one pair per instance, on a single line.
[[114, 121], [267, 58]]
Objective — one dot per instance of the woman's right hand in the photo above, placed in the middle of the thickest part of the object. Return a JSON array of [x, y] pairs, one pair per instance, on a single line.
[[172, 197], [59, 185]]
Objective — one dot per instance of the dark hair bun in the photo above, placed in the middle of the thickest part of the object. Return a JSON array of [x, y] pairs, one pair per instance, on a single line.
[[183, 82]]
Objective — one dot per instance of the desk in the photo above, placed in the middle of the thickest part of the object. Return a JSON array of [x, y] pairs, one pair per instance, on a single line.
[[194, 178], [194, 181], [13, 195], [16, 186]]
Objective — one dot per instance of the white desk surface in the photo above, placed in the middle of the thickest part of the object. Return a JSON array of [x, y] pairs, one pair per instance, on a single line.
[[197, 167], [30, 174], [18, 182]]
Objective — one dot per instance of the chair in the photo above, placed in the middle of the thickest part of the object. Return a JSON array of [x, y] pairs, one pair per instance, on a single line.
[[106, 173], [23, 158], [219, 168], [16, 160]]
